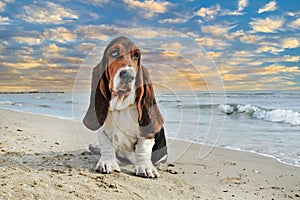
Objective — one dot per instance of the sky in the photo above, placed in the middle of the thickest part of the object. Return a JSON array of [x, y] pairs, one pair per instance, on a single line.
[[187, 44]]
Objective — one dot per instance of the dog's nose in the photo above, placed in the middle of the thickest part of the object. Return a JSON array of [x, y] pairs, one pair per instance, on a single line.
[[126, 76]]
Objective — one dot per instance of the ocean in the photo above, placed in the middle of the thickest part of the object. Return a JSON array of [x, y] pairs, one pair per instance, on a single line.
[[264, 122]]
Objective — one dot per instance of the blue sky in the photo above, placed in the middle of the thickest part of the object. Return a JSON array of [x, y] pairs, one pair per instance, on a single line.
[[255, 45]]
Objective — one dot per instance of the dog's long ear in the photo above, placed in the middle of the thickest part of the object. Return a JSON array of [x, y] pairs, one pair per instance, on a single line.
[[99, 99], [149, 118]]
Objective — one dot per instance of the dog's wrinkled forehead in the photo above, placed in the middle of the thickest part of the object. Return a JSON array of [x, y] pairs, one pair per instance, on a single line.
[[119, 47]]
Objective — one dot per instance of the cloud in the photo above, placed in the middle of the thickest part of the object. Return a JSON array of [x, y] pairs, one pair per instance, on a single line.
[[269, 49], [174, 20], [192, 77], [25, 64], [94, 15], [290, 43], [53, 48], [234, 77], [250, 39], [230, 12], [295, 23], [2, 6], [255, 63], [59, 57], [271, 6], [289, 58], [50, 13], [214, 43], [150, 7], [277, 82], [275, 69], [213, 54], [95, 2], [216, 30], [293, 14], [242, 4], [85, 47], [175, 46], [266, 25], [209, 13], [103, 32], [98, 32], [235, 61], [221, 31], [27, 40], [260, 82], [285, 58], [170, 54], [4, 20], [242, 54], [60, 34], [146, 33]]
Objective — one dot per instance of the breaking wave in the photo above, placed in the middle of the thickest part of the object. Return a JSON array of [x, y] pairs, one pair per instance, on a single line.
[[270, 115]]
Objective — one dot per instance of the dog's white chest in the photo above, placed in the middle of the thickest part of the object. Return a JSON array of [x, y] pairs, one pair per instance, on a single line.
[[125, 121], [122, 128]]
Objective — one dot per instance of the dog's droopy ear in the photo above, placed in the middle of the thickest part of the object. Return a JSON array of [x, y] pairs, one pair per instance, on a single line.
[[149, 118], [99, 99]]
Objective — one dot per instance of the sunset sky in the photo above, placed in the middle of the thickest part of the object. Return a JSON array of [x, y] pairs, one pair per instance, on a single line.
[[255, 45]]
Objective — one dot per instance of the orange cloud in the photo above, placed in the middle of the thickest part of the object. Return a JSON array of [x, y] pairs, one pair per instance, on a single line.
[[275, 69], [175, 46], [234, 77], [290, 43], [60, 34], [267, 25], [28, 40], [295, 23], [150, 7], [271, 6], [209, 13], [49, 13]]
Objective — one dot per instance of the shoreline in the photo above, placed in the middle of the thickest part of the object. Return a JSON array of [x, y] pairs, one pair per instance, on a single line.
[[239, 150], [44, 157], [71, 119]]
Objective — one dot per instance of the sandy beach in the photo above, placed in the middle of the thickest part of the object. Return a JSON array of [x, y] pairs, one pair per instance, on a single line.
[[47, 158]]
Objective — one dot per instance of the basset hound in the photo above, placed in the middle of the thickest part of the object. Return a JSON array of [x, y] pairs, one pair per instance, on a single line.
[[124, 109]]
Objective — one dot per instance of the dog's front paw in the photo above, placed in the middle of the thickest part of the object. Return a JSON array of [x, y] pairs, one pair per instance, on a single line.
[[146, 169], [107, 166]]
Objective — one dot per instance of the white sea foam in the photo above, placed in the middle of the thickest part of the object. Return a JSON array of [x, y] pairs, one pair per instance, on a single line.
[[227, 109], [270, 115], [11, 103], [6, 103], [279, 115], [247, 108]]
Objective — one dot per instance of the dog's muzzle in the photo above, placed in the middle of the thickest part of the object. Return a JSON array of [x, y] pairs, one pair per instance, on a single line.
[[126, 78]]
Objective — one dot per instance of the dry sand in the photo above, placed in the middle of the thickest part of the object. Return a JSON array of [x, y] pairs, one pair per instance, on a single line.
[[47, 158]]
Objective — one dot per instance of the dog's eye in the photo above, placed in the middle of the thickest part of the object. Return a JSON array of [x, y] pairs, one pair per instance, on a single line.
[[114, 53], [136, 55]]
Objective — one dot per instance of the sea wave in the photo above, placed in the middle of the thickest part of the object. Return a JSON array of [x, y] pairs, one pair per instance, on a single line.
[[6, 102], [270, 115], [11, 103]]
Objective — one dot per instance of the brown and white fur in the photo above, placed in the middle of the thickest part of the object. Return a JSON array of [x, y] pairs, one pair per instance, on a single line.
[[123, 107]]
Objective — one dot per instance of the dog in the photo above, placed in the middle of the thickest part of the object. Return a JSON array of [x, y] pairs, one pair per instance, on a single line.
[[123, 109]]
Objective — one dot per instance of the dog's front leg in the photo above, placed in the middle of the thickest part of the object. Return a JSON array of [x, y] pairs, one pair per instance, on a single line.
[[107, 162], [143, 164]]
